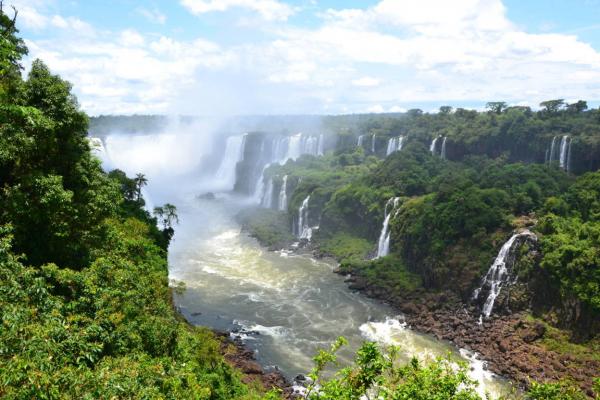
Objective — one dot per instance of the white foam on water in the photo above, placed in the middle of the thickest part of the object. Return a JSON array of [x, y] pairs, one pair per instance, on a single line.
[[394, 332]]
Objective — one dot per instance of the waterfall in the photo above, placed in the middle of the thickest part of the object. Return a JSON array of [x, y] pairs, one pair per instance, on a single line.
[[267, 198], [443, 153], [283, 195], [383, 246], [552, 146], [394, 144], [284, 149], [499, 273], [432, 146], [372, 143], [563, 152], [234, 153], [260, 185], [361, 139], [304, 229], [98, 149], [321, 145]]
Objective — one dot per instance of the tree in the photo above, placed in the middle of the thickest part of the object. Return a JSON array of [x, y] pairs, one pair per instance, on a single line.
[[140, 181], [552, 106], [496, 107], [170, 214], [167, 214], [578, 107], [445, 110]]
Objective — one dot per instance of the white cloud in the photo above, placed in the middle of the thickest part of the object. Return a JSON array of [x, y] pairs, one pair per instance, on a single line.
[[152, 15], [366, 81], [131, 37], [387, 57], [377, 108], [268, 9]]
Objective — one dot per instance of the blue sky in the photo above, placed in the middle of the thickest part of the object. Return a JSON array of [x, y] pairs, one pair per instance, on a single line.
[[216, 57]]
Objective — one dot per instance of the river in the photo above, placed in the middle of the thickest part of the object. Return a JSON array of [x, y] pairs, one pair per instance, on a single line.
[[284, 306]]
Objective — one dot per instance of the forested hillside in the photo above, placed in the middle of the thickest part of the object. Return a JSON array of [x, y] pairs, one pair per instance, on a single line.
[[442, 218], [85, 305]]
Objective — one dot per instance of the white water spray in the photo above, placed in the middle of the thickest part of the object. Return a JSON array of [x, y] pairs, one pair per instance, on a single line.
[[383, 246], [394, 144], [360, 141], [562, 162], [283, 195], [499, 273], [432, 146], [234, 153], [443, 153], [304, 229]]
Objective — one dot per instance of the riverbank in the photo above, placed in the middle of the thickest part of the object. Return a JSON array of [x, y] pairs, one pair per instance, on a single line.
[[239, 356], [513, 345], [516, 347]]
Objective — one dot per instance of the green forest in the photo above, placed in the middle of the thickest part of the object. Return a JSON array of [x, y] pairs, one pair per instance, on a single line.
[[85, 303]]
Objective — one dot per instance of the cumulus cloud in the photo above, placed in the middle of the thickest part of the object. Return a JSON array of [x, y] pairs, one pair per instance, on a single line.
[[268, 9], [391, 56]]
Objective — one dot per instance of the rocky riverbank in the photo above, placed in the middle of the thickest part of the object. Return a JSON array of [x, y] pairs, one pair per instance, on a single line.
[[510, 344], [242, 358]]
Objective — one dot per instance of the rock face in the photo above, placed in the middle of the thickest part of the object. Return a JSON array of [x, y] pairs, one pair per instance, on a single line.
[[243, 359], [510, 343]]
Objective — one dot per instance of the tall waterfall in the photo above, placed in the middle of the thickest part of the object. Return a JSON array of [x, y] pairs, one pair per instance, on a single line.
[[281, 150], [234, 153], [499, 273], [443, 153], [267, 198], [433, 143], [320, 146], [562, 162], [283, 195], [372, 143], [561, 152], [394, 144], [552, 147], [304, 229], [360, 141], [383, 246]]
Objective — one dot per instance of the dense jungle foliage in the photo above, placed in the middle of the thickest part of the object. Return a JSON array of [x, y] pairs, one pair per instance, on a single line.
[[85, 306], [84, 297]]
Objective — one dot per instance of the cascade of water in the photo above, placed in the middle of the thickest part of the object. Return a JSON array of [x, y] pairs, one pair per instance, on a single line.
[[498, 274], [432, 146], [294, 149], [383, 246], [391, 146], [320, 147], [267, 199], [234, 153], [400, 143], [304, 229], [361, 139], [552, 146], [563, 152], [443, 153], [394, 144], [259, 189], [372, 143], [283, 195]]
